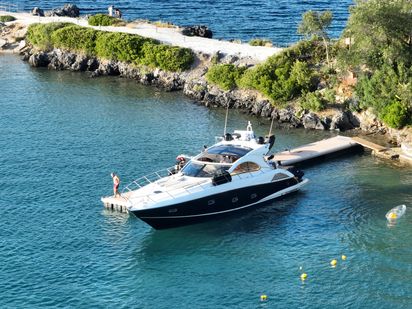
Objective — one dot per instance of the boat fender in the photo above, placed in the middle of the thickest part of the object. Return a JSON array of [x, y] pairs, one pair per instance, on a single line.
[[228, 137], [296, 172], [270, 140], [260, 140]]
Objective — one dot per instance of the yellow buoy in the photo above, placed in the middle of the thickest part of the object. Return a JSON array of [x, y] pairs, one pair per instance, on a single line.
[[392, 215], [263, 297], [303, 276], [343, 257], [333, 263]]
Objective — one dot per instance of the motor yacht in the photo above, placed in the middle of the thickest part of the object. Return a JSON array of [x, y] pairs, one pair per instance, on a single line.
[[232, 175]]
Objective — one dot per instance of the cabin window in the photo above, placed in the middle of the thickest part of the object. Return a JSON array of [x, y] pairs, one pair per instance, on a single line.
[[279, 176], [253, 196], [210, 202], [235, 199], [246, 167], [193, 169]]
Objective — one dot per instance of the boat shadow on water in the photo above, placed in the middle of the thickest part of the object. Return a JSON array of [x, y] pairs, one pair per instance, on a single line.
[[269, 217]]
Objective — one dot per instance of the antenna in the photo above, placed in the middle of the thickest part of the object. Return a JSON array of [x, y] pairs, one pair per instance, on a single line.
[[271, 125], [227, 112]]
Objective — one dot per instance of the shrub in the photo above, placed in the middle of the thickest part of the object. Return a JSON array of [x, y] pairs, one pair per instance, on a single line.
[[169, 58], [310, 51], [103, 20], [281, 78], [387, 92], [110, 45], [313, 101], [395, 115], [76, 38], [7, 18], [40, 35], [260, 42], [120, 46], [226, 76], [329, 95]]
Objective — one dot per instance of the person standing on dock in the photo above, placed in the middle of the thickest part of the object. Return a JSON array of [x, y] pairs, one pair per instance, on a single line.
[[116, 183]]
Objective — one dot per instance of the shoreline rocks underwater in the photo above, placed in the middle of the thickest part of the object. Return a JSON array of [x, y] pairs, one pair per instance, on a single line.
[[193, 84]]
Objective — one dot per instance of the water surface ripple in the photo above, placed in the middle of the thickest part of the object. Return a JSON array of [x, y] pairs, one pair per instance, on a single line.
[[244, 20], [62, 133]]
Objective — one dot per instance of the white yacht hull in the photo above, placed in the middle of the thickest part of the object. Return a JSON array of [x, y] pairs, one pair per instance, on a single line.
[[215, 205]]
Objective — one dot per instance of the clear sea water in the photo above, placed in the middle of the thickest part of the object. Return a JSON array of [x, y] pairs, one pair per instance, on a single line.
[[228, 19], [62, 133]]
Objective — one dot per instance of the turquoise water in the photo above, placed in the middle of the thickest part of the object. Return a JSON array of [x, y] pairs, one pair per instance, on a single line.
[[229, 19], [61, 134]]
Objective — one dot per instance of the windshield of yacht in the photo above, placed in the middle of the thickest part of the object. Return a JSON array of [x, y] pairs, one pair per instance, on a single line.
[[193, 169], [229, 150]]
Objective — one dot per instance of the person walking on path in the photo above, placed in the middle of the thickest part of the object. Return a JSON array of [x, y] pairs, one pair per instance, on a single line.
[[116, 183], [118, 13], [110, 9]]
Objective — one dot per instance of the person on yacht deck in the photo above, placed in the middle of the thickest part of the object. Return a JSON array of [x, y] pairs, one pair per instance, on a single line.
[[116, 183]]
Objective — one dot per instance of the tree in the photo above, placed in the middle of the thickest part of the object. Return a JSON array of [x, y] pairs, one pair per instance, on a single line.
[[315, 24], [381, 31]]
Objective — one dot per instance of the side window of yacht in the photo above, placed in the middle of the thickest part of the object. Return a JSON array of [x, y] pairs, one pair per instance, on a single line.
[[246, 167], [279, 176]]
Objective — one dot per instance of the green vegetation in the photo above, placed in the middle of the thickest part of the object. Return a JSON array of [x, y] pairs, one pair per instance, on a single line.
[[7, 18], [313, 101], [381, 33], [110, 45], [281, 78], [380, 51], [104, 20], [315, 24], [75, 38], [376, 48], [40, 35], [260, 42], [226, 76], [388, 92]]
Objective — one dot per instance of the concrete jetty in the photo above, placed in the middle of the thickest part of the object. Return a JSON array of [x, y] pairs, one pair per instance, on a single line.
[[316, 150]]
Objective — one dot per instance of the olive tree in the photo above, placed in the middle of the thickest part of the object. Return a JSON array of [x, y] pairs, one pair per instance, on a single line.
[[316, 24]]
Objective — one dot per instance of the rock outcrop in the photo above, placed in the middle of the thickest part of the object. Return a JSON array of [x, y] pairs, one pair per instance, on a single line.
[[194, 85], [199, 30], [68, 10]]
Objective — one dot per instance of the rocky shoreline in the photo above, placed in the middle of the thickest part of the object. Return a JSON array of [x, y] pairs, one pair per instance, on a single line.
[[194, 85]]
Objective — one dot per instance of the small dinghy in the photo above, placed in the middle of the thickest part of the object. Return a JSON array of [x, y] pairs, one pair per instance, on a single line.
[[395, 213]]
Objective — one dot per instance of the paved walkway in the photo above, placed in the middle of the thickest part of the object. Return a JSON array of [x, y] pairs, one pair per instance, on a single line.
[[170, 36]]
